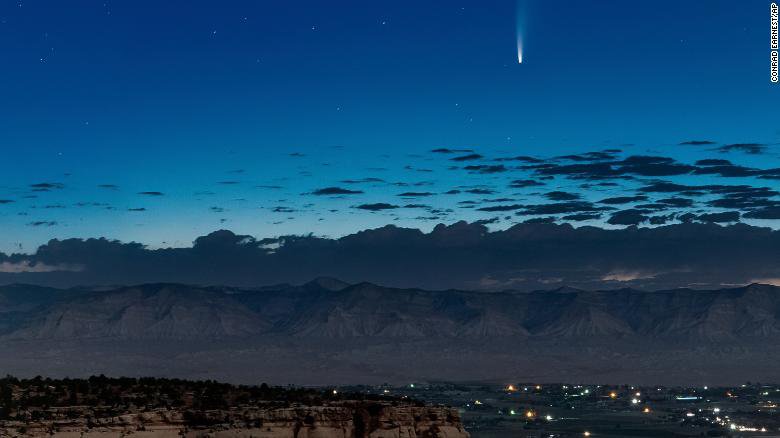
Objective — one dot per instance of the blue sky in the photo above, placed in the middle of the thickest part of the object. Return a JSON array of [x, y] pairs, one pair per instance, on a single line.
[[181, 97]]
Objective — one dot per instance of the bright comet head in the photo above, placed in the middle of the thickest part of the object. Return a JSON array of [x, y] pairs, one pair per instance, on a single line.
[[519, 51]]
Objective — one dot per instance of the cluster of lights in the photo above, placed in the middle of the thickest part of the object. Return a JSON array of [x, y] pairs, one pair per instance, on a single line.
[[734, 426], [636, 400], [530, 414]]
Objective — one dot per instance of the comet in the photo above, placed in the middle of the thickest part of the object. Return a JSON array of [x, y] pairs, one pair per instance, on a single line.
[[519, 30]]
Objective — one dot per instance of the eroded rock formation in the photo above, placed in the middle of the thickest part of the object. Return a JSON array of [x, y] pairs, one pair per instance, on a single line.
[[344, 419]]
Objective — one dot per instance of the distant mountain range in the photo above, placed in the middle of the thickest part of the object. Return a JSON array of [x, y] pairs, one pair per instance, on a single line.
[[364, 332]]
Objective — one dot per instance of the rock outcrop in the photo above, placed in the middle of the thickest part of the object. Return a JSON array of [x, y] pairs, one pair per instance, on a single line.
[[344, 419]]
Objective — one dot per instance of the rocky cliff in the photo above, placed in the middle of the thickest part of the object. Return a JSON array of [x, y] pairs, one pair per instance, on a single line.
[[337, 420]]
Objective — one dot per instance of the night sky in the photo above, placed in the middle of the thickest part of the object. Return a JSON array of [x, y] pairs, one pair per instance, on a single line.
[[159, 122]]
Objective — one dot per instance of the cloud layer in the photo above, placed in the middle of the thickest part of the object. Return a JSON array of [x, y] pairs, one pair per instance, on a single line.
[[468, 256]]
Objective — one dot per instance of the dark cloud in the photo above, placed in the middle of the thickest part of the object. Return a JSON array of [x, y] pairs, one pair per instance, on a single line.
[[335, 191], [577, 171], [660, 220], [628, 217], [714, 162], [151, 193], [775, 174], [744, 197], [561, 196], [460, 255], [668, 187], [480, 191], [653, 166], [720, 217], [42, 223], [733, 196], [139, 209], [485, 169], [652, 206], [600, 167], [676, 202], [748, 148], [228, 183], [581, 217], [450, 151], [415, 194], [108, 186], [494, 208], [468, 157], [696, 143], [634, 165], [540, 220], [492, 220], [623, 199], [523, 158], [766, 212], [378, 206], [46, 186], [561, 208], [729, 171], [610, 154], [687, 218], [6, 201], [362, 180]]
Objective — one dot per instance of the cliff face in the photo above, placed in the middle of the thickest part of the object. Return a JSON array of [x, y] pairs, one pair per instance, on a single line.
[[341, 420]]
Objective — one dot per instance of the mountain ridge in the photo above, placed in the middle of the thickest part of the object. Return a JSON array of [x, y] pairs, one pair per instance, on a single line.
[[327, 307], [321, 333]]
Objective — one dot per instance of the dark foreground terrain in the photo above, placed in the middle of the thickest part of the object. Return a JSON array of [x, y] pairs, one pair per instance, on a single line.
[[101, 406], [155, 407], [329, 332]]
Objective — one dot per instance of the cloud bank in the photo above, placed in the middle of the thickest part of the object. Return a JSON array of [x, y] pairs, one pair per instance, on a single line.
[[462, 255]]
